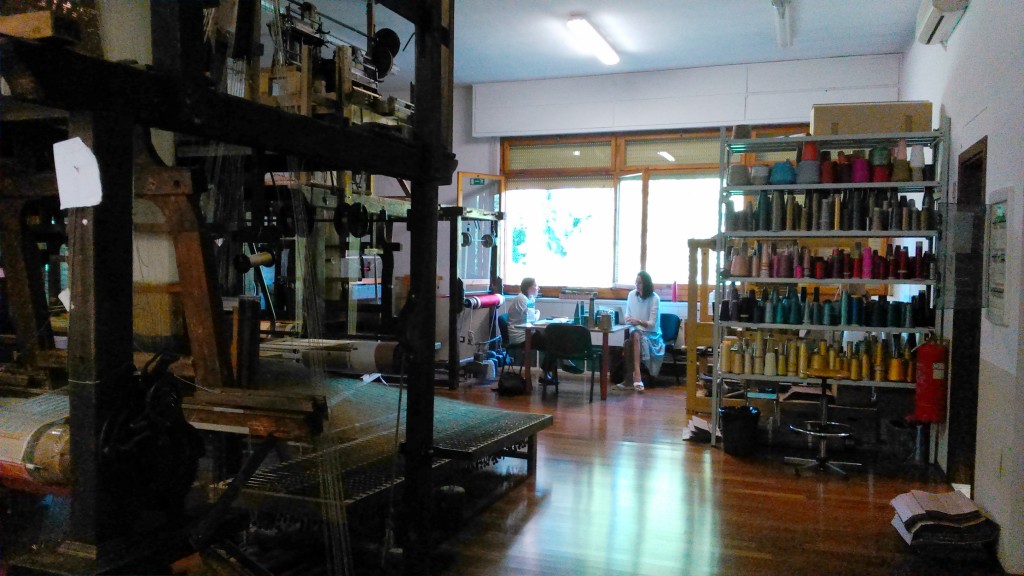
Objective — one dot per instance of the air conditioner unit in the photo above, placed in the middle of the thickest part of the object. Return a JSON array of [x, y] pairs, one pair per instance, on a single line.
[[937, 18]]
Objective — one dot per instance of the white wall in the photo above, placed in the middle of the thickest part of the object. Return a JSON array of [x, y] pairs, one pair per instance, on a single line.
[[473, 154], [977, 81], [765, 93]]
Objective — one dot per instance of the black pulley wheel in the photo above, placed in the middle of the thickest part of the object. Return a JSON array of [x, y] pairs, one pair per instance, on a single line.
[[351, 219], [388, 39], [382, 61]]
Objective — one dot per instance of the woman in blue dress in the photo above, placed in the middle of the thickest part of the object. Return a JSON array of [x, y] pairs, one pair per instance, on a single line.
[[644, 343]]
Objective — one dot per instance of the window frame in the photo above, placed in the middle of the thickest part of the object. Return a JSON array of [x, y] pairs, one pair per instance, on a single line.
[[619, 169]]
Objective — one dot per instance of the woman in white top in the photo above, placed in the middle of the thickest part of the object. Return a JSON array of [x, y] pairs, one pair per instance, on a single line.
[[644, 341], [521, 311]]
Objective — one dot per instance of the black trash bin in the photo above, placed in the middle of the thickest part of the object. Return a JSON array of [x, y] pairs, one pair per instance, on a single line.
[[739, 429]]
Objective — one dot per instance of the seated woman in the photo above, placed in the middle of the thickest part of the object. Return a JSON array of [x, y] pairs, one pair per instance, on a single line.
[[521, 310], [643, 343]]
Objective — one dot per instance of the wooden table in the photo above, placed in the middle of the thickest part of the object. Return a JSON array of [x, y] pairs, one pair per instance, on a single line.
[[529, 329]]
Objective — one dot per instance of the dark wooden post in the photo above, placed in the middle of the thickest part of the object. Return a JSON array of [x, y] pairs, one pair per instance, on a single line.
[[434, 33], [99, 328]]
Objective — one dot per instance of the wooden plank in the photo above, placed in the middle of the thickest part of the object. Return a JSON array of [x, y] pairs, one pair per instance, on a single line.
[[306, 402], [39, 25], [285, 415], [201, 302], [169, 189], [295, 426]]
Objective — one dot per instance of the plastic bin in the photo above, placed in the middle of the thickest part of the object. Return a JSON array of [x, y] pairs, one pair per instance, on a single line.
[[739, 429]]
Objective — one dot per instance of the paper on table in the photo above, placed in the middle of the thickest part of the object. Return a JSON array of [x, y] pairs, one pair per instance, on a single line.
[[547, 321], [78, 174]]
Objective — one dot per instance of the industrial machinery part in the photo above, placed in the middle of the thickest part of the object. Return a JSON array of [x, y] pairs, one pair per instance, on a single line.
[[466, 435], [35, 451], [149, 447]]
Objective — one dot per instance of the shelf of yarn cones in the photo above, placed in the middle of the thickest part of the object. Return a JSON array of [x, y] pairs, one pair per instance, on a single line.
[[799, 380], [836, 187], [831, 281], [833, 142], [827, 327], [768, 234]]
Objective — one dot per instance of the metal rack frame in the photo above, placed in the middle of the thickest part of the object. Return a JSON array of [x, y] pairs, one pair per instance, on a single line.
[[937, 140]]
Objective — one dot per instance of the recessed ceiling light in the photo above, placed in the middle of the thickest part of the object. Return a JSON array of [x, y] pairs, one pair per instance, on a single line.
[[664, 154], [575, 152]]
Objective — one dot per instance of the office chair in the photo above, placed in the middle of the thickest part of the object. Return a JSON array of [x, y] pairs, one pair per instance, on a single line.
[[515, 351], [572, 342], [669, 335]]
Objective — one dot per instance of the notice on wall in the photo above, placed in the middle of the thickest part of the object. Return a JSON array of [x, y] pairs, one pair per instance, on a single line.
[[995, 258], [78, 174]]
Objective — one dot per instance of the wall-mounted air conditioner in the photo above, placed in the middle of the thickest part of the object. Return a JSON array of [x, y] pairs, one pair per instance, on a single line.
[[937, 18]]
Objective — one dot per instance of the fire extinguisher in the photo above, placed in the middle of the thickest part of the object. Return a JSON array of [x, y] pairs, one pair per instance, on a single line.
[[930, 396]]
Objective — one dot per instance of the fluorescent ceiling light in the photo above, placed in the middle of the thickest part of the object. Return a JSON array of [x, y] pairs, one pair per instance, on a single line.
[[575, 152], [783, 23], [664, 154], [594, 42]]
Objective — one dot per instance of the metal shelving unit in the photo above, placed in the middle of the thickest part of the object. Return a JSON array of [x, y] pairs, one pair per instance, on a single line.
[[936, 140]]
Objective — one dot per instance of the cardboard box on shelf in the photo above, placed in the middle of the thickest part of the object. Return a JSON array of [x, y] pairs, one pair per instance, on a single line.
[[870, 118]]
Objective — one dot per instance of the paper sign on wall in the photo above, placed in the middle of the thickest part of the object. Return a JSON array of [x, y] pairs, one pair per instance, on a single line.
[[78, 174]]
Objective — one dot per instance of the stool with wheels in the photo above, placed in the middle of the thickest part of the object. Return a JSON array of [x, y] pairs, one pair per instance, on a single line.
[[822, 429]]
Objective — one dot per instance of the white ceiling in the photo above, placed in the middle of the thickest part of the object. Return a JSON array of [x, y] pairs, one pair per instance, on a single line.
[[503, 40]]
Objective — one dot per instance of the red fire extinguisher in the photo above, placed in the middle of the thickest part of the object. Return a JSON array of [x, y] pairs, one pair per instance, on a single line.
[[930, 396]]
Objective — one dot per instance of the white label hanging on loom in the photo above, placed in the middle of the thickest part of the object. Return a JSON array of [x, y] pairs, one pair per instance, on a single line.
[[78, 174], [65, 298]]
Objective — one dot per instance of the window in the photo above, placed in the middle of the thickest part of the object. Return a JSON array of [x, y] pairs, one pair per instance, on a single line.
[[679, 207], [560, 231], [593, 211]]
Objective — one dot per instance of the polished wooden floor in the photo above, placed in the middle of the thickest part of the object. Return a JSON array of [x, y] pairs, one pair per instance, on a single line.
[[618, 492]]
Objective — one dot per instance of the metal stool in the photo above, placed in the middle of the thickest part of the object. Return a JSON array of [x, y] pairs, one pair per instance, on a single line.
[[822, 429]]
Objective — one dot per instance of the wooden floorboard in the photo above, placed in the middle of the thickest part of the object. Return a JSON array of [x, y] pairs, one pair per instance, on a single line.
[[618, 492]]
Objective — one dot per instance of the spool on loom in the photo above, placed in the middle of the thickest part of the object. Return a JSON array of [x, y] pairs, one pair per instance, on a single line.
[[483, 301]]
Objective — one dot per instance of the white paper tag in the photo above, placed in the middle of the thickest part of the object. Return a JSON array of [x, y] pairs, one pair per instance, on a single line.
[[78, 174], [65, 298]]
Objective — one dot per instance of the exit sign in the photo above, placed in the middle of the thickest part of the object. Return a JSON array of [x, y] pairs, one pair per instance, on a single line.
[[476, 181]]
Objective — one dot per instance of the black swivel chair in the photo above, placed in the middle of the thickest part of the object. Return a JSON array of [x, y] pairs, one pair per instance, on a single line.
[[669, 334], [571, 342], [515, 351]]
